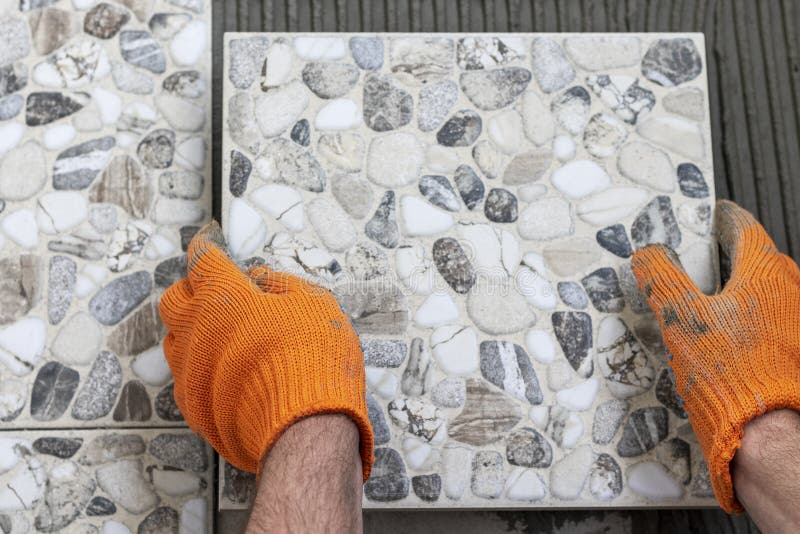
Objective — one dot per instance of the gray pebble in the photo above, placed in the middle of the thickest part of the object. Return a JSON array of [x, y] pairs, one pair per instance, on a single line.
[[100, 389], [452, 263], [469, 185], [162, 520], [494, 89], [604, 291], [246, 60], [330, 80], [462, 129], [133, 404], [646, 428], [185, 84], [427, 487], [13, 77], [614, 239], [183, 184], [78, 166], [60, 287], [52, 391], [45, 107], [182, 451], [508, 366], [105, 20], [573, 331], [59, 447], [241, 167], [109, 447], [528, 448], [607, 419], [438, 191], [414, 379], [671, 62], [387, 106], [166, 407], [377, 420], [388, 481], [10, 106], [301, 133], [157, 149], [435, 102], [501, 206], [449, 393], [140, 49], [119, 297], [573, 295], [367, 52], [487, 474], [691, 181], [382, 227], [384, 352], [656, 223]]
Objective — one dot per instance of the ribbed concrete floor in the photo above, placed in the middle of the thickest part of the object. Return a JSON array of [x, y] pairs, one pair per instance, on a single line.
[[754, 83]]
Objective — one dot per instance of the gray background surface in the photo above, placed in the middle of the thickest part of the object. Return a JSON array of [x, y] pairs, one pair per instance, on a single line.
[[753, 53]]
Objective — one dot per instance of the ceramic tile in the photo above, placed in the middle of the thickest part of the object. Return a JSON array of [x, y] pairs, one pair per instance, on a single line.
[[473, 201], [93, 481], [104, 176]]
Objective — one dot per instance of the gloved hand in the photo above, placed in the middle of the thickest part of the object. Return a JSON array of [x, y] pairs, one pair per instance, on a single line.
[[736, 354], [251, 353]]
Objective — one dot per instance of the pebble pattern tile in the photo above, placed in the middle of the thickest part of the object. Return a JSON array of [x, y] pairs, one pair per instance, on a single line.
[[115, 482], [473, 201], [104, 176]]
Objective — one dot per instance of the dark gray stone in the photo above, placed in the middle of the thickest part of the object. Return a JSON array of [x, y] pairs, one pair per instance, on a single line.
[[52, 391], [573, 295], [382, 227], [656, 224], [185, 84], [462, 129], [100, 506], [182, 451], [603, 289], [495, 88], [701, 487], [501, 206], [13, 77], [380, 429], [301, 134], [100, 389], [330, 80], [241, 167], [691, 181], [528, 448], [507, 365], [140, 49], [452, 263], [388, 481], [615, 240], [671, 62], [59, 447], [384, 352], [646, 428], [470, 186], [666, 394], [573, 331], [45, 107], [157, 149], [605, 478], [676, 455], [387, 106], [187, 233], [630, 288], [105, 20], [77, 166], [607, 419], [170, 271], [10, 106], [367, 52], [133, 404], [427, 487], [162, 520], [487, 416], [119, 297], [439, 192], [166, 407]]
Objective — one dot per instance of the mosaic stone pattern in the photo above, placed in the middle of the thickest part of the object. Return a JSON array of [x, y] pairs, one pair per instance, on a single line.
[[473, 201], [87, 481], [104, 177]]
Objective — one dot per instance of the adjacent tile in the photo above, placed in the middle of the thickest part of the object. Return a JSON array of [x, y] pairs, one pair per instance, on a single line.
[[95, 480], [104, 172], [473, 201]]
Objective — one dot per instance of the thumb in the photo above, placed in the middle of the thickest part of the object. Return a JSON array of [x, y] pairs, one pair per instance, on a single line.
[[208, 263], [661, 277]]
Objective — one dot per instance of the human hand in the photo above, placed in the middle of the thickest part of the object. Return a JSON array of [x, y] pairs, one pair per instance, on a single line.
[[735, 355], [253, 352]]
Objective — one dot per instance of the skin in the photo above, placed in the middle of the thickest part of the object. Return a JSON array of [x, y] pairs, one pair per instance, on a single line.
[[311, 480], [766, 471]]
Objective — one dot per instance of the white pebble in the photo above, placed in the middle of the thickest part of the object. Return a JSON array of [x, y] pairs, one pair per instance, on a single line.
[[47, 74], [22, 345], [536, 289], [611, 205], [320, 48], [338, 114], [115, 527], [505, 129], [246, 230], [189, 44], [382, 381], [421, 218], [530, 192], [193, 516], [652, 480], [416, 453], [437, 310], [494, 253], [59, 211], [573, 430], [191, 153], [281, 202], [10, 136], [9, 457], [159, 246], [108, 104], [539, 415], [57, 136], [441, 159], [525, 485], [415, 269], [20, 226], [568, 475], [151, 366], [579, 397], [455, 349], [540, 345], [563, 148], [278, 64], [580, 178]]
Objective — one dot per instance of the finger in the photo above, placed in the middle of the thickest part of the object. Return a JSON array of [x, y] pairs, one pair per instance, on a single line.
[[208, 263], [271, 281], [744, 241], [661, 278], [175, 305]]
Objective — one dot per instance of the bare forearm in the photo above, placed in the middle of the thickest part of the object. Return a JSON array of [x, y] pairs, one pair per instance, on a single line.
[[766, 471], [311, 480]]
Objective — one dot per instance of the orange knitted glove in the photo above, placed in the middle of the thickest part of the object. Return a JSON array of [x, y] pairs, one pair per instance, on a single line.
[[253, 353], [736, 354]]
